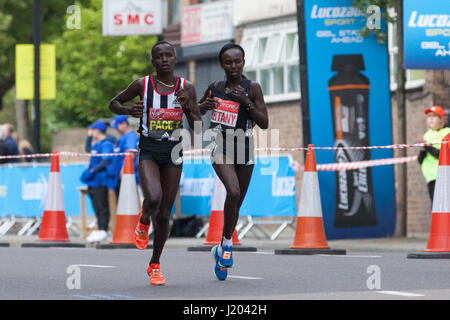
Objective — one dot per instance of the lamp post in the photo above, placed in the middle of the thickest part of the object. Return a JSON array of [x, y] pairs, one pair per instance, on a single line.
[[36, 104]]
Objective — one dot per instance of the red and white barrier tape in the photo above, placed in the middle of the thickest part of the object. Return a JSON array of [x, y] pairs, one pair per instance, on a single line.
[[62, 154], [295, 165], [392, 146], [356, 164]]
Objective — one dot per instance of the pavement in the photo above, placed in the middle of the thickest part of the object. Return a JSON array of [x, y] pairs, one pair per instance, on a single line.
[[285, 240]]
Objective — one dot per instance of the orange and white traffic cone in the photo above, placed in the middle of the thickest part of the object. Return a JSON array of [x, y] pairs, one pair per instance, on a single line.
[[127, 208], [310, 234], [53, 227], [215, 229], [53, 231], [438, 246]]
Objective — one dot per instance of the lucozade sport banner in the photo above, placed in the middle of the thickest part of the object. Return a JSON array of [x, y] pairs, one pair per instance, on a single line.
[[426, 33], [349, 105]]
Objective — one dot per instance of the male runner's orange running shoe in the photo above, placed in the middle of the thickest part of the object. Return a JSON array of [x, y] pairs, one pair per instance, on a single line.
[[141, 234], [156, 278]]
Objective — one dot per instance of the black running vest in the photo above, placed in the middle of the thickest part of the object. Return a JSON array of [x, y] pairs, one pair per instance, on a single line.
[[229, 113]]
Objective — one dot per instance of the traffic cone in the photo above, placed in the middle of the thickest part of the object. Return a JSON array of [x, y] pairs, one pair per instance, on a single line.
[[127, 209], [438, 245], [215, 229], [53, 227], [53, 231], [310, 234]]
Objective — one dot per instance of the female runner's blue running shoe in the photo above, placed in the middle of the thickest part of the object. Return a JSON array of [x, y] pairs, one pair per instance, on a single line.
[[220, 272], [226, 259]]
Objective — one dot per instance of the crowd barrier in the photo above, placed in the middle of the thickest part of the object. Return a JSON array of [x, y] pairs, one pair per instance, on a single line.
[[23, 187], [270, 198]]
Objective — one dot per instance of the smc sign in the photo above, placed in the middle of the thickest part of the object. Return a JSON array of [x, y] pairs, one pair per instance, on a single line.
[[132, 17]]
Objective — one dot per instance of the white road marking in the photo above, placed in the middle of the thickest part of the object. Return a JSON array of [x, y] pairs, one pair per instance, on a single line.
[[102, 296], [347, 256], [246, 278], [400, 293], [93, 266], [122, 296], [324, 255], [84, 297]]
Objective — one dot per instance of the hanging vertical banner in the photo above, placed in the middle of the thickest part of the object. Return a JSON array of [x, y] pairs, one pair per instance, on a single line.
[[349, 105], [25, 72], [426, 30]]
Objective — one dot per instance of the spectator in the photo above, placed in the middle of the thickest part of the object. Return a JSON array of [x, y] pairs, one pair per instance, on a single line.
[[4, 151], [429, 155], [88, 144], [128, 140], [25, 148], [10, 142], [99, 178]]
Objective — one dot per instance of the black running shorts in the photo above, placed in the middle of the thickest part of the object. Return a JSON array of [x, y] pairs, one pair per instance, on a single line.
[[166, 154]]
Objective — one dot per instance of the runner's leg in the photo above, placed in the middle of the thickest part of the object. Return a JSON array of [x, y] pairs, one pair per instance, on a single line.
[[170, 182], [227, 174], [244, 175], [151, 188]]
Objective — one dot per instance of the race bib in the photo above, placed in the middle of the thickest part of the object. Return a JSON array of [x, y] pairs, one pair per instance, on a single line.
[[163, 119], [225, 113]]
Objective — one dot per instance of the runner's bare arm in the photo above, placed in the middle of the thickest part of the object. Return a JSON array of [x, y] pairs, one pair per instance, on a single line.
[[134, 89], [259, 112], [188, 101]]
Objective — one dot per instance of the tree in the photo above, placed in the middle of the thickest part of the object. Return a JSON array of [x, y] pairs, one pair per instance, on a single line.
[[16, 27], [92, 68], [383, 5]]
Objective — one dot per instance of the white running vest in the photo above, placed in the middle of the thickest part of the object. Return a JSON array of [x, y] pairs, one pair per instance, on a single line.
[[162, 111]]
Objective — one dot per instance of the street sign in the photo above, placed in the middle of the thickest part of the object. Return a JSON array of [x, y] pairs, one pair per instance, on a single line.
[[132, 17], [207, 22]]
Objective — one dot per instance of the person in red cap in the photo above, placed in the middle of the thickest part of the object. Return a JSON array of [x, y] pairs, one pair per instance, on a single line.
[[429, 155]]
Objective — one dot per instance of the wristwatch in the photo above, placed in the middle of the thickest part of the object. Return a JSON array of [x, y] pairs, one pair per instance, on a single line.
[[250, 106]]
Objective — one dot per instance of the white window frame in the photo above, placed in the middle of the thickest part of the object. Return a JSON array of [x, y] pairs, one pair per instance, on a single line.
[[393, 51], [254, 33]]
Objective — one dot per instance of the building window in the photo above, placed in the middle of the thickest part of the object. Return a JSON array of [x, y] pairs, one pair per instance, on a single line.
[[414, 78], [272, 60], [174, 11]]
